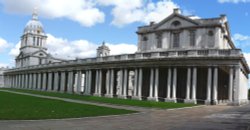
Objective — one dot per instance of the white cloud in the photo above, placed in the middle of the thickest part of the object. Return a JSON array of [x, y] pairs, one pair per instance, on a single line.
[[3, 45], [233, 1], [3, 65], [81, 11], [130, 11], [247, 56], [241, 41], [65, 49]]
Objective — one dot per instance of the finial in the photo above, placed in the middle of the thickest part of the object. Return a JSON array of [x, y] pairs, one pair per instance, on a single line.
[[35, 14]]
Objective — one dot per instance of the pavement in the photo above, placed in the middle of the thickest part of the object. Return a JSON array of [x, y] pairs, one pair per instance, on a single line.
[[217, 117]]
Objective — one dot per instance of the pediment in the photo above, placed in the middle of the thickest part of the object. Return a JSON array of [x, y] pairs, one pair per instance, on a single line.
[[40, 53], [175, 21]]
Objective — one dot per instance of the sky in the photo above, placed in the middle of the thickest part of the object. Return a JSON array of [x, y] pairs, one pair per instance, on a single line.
[[75, 28]]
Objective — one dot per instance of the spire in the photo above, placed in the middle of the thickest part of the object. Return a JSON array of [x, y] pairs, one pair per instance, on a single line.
[[34, 14]]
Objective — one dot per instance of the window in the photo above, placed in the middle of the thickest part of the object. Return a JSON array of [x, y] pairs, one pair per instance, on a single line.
[[145, 38], [159, 40], [40, 61], [192, 37], [37, 42], [210, 33], [176, 23], [176, 40]]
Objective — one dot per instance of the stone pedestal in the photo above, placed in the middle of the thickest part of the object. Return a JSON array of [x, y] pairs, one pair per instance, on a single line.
[[207, 102], [170, 100], [191, 101], [137, 98], [153, 99]]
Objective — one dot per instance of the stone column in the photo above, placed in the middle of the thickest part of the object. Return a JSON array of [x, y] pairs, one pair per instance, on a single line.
[[44, 84], [79, 81], [100, 83], [125, 84], [50, 82], [22, 81], [209, 82], [135, 83], [39, 81], [34, 86], [96, 82], [89, 82], [62, 84], [194, 82], [120, 83], [151, 90], [19, 81], [156, 85], [107, 83], [215, 86], [112, 83], [230, 89], [70, 82], [56, 81], [30, 81], [187, 100], [169, 85], [140, 84], [174, 85], [26, 81], [236, 86]]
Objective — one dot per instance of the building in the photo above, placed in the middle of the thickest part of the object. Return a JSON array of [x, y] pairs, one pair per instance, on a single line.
[[179, 59], [2, 76], [33, 50]]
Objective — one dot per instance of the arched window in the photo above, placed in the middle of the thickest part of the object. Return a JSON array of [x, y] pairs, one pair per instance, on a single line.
[[176, 23]]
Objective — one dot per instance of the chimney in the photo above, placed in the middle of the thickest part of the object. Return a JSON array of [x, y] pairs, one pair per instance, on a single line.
[[152, 23], [177, 11], [223, 17]]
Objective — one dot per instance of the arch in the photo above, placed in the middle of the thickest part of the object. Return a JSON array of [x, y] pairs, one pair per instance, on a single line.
[[176, 23]]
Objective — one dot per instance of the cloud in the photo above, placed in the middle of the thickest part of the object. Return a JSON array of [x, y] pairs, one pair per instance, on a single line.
[[65, 49], [242, 41], [3, 45], [247, 56], [233, 1], [130, 11], [3, 65], [81, 11]]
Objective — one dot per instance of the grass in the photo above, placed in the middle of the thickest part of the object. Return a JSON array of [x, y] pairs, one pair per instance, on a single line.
[[150, 104], [22, 107]]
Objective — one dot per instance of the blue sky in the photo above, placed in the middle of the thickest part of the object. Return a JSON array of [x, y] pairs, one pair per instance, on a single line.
[[76, 27]]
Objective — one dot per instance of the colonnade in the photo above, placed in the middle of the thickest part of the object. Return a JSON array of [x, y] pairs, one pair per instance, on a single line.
[[114, 82]]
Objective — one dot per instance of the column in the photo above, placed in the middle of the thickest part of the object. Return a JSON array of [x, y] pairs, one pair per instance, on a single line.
[[79, 81], [194, 82], [34, 81], [174, 84], [39, 81], [156, 85], [85, 83], [56, 81], [209, 83], [30, 81], [135, 83], [107, 83], [112, 83], [89, 82], [230, 89], [26, 81], [151, 83], [120, 83], [100, 83], [169, 84], [188, 85], [125, 84], [236, 87], [49, 81], [96, 82], [19, 81], [44, 84], [215, 85], [70, 82], [62, 84], [140, 84]]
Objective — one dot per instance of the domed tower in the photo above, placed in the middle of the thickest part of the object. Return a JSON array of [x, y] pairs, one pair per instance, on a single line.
[[103, 50], [34, 37], [33, 41]]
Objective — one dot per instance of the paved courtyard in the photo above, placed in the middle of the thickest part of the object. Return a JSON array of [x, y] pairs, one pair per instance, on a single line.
[[202, 117]]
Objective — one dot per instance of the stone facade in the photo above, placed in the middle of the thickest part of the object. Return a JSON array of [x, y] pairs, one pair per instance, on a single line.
[[178, 60]]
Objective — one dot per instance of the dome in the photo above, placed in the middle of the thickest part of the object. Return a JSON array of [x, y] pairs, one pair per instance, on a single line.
[[34, 26]]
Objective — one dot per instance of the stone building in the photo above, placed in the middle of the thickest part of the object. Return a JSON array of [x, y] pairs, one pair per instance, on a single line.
[[33, 49], [178, 60]]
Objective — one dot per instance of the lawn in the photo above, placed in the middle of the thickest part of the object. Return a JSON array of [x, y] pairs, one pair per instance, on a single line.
[[150, 104], [22, 107]]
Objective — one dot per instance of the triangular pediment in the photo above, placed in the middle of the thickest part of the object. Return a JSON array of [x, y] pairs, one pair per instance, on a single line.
[[171, 22]]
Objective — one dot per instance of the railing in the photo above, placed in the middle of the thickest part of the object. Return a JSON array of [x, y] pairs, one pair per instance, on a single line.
[[148, 55]]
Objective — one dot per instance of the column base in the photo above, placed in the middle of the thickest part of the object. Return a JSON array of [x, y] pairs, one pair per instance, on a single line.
[[170, 100], [153, 99], [191, 101], [122, 96], [214, 102], [97, 94], [136, 98], [109, 95], [207, 102]]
